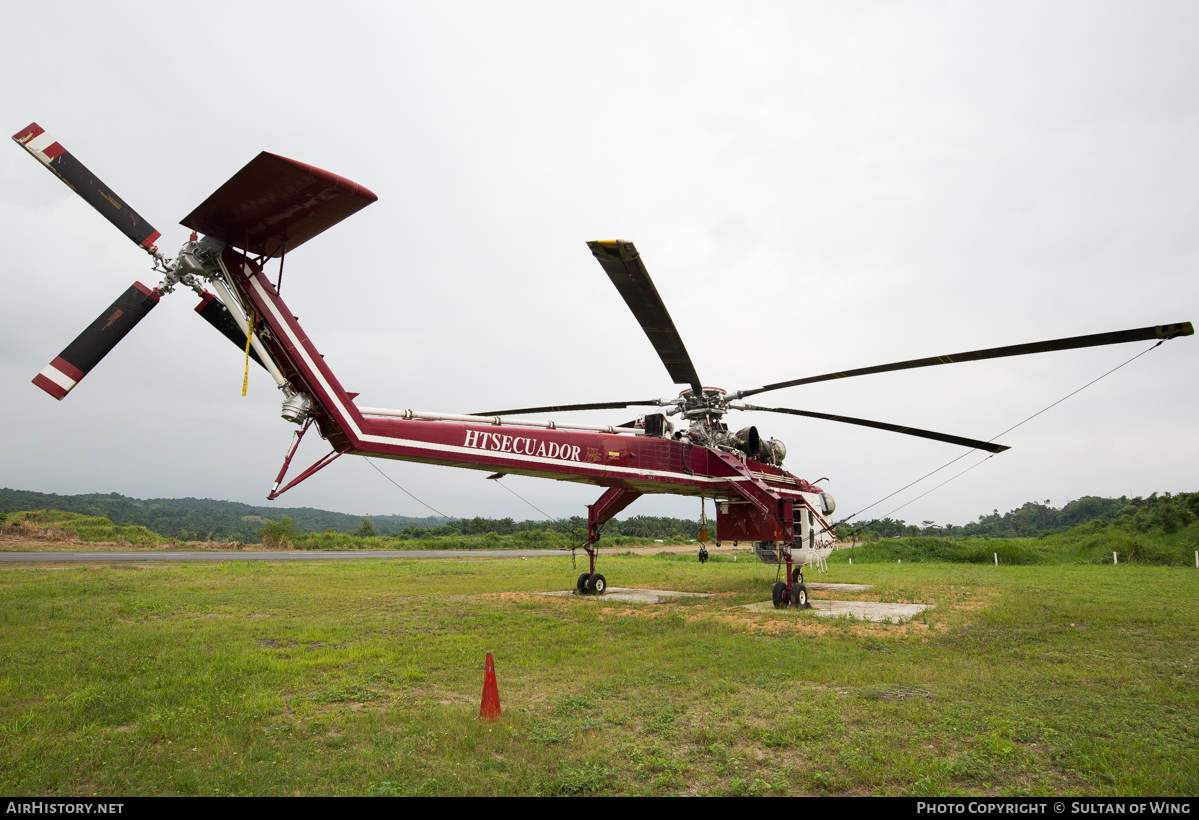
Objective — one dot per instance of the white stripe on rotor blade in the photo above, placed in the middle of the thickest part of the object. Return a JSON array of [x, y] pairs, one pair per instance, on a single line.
[[38, 144], [58, 377]]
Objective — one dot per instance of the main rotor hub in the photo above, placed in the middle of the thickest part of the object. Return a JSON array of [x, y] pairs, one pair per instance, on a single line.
[[711, 404]]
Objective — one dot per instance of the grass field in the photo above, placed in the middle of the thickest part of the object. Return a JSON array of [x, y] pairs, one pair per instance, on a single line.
[[70, 530], [364, 677]]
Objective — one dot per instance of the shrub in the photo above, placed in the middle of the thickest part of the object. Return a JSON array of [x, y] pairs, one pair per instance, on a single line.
[[283, 532]]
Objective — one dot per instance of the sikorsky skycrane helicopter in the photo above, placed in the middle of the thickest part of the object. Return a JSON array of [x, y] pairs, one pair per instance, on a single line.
[[274, 204]]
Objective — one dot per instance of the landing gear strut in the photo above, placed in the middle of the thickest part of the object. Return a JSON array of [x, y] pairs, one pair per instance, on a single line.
[[791, 592], [610, 503], [590, 583]]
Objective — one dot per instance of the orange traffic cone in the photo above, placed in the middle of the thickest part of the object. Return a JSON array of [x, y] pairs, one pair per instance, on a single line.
[[489, 709]]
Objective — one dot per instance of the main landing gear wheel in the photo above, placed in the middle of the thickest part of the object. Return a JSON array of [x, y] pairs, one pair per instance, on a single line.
[[581, 584], [796, 576], [799, 596], [703, 554], [779, 595], [596, 584]]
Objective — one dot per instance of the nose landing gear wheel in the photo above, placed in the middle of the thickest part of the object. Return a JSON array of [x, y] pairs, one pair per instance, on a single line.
[[796, 576], [703, 554], [799, 596], [581, 584], [596, 584], [779, 595]]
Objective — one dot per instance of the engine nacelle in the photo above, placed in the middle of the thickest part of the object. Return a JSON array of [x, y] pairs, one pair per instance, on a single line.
[[770, 451]]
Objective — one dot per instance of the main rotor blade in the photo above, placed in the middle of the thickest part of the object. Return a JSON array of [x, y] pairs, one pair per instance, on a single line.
[[624, 267], [93, 344], [1143, 334], [1074, 342], [213, 311], [36, 141], [882, 425], [570, 408]]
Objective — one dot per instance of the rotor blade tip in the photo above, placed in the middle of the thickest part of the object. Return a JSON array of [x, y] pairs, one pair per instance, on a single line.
[[27, 133]]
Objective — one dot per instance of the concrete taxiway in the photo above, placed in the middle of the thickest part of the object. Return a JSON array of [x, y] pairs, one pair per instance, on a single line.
[[635, 596]]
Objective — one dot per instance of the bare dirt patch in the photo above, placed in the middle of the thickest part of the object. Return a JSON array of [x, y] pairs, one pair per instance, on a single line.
[[765, 624], [509, 597]]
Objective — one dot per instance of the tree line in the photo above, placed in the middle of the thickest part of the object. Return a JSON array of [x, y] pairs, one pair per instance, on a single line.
[[1166, 512], [192, 519], [200, 519]]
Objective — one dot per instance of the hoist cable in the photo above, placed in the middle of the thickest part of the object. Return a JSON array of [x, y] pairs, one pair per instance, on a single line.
[[552, 520], [410, 495], [939, 486]]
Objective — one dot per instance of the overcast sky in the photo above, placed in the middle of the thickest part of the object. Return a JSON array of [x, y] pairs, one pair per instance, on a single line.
[[812, 186]]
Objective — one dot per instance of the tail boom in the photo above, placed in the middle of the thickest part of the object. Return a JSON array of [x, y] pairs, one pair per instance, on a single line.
[[608, 459]]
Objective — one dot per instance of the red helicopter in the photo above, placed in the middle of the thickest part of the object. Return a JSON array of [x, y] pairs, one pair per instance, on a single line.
[[274, 204]]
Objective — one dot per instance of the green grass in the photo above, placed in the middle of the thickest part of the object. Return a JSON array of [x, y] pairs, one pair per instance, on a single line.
[[364, 677], [87, 528], [530, 539]]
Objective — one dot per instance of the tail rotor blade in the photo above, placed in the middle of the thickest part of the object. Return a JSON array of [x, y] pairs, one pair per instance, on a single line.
[[216, 314], [79, 179], [93, 344]]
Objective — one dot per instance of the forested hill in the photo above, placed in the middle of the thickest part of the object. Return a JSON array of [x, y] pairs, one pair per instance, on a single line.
[[197, 519], [1165, 512], [201, 518]]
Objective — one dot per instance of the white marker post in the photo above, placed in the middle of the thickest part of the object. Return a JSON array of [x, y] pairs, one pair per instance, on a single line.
[[1114, 559], [996, 559]]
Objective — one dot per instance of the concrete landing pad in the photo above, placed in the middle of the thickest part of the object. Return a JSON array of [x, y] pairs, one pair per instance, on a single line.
[[636, 596], [819, 586], [862, 610]]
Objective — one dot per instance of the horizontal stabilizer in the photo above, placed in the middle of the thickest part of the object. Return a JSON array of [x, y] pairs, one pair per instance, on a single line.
[[275, 204]]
